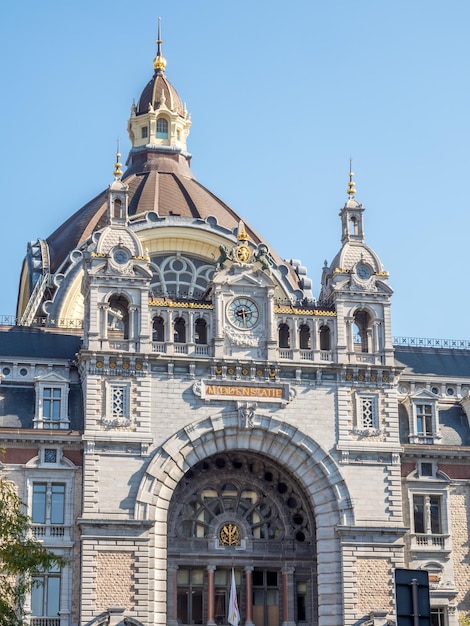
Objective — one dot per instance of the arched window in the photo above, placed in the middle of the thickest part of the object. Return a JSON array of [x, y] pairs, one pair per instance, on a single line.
[[361, 328], [179, 327], [325, 339], [117, 213], [304, 337], [158, 329], [118, 317], [353, 226], [162, 128], [284, 336], [200, 331]]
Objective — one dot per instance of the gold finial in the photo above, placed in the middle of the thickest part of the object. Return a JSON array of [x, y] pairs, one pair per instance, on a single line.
[[351, 185], [117, 166], [159, 62], [242, 235]]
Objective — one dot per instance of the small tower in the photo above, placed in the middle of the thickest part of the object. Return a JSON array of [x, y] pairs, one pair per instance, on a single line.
[[159, 121], [117, 195], [352, 214], [357, 285], [116, 281]]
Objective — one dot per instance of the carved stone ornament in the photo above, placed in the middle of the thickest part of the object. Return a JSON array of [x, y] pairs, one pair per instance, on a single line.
[[197, 388], [244, 339], [246, 416]]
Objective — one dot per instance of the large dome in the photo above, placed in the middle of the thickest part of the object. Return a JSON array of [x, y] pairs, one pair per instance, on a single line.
[[170, 211]]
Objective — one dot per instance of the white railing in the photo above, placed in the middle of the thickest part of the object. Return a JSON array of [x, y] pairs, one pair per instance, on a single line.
[[430, 541], [180, 348], [201, 350], [326, 355], [285, 354], [158, 346], [50, 531], [306, 355], [45, 621]]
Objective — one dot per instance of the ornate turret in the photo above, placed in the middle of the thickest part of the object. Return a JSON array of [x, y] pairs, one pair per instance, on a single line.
[[357, 285], [159, 122]]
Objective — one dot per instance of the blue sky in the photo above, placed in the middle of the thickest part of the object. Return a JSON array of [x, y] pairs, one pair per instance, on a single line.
[[281, 96]]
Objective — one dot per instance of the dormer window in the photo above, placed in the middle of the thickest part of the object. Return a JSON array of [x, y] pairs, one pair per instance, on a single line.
[[145, 132], [423, 418], [51, 402], [162, 128]]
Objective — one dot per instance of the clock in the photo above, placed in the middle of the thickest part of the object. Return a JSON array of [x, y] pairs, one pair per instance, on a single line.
[[243, 313], [120, 256], [363, 271]]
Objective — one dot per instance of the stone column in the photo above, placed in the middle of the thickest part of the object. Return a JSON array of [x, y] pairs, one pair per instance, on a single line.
[[172, 595], [288, 596], [210, 595], [249, 595]]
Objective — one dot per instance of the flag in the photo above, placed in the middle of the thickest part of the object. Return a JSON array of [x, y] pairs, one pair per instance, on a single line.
[[233, 612]]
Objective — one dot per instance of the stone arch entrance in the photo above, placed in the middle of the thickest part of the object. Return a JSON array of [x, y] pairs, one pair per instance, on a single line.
[[241, 510], [172, 485]]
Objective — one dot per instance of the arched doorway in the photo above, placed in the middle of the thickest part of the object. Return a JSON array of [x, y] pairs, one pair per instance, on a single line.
[[241, 510]]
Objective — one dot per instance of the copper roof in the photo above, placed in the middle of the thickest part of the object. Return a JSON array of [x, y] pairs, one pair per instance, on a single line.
[[169, 191]]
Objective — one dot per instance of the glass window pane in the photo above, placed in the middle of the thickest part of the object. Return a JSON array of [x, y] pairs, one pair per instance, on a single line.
[[182, 576], [220, 577], [182, 606], [418, 512], [197, 577], [435, 510], [57, 504], [39, 504], [37, 597], [196, 617], [53, 596]]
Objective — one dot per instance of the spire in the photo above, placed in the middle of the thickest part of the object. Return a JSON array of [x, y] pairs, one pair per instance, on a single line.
[[351, 185], [117, 166], [159, 62]]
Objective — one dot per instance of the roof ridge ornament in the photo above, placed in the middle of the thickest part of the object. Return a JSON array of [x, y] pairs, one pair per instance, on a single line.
[[351, 185], [159, 62]]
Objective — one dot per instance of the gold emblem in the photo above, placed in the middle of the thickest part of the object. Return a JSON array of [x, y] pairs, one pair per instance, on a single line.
[[229, 535], [243, 253]]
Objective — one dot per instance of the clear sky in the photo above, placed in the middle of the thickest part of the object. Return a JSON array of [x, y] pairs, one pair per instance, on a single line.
[[281, 96]]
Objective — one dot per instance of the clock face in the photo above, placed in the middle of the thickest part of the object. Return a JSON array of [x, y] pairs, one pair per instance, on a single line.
[[243, 313], [363, 271], [120, 256]]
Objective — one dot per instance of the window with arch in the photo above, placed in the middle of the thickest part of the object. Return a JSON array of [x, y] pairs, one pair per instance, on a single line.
[[118, 317], [305, 342], [284, 336], [162, 128], [179, 330], [325, 338], [158, 329], [353, 226], [200, 331], [117, 208], [180, 276], [361, 331]]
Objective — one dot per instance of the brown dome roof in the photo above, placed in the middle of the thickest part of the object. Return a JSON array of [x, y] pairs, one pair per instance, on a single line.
[[152, 94], [163, 185]]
